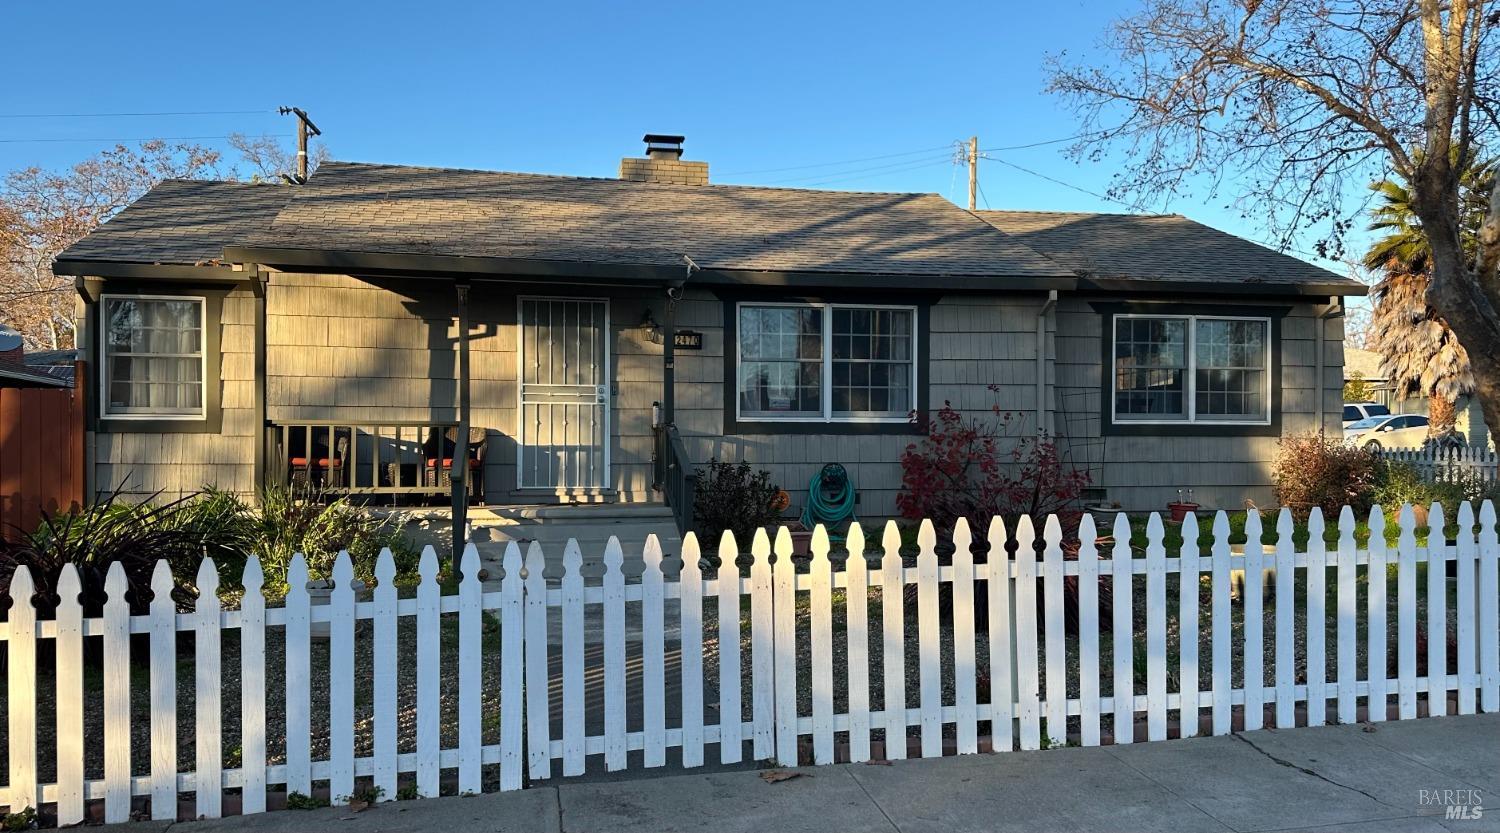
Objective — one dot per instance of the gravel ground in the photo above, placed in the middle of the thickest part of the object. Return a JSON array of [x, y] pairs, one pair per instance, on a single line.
[[318, 687]]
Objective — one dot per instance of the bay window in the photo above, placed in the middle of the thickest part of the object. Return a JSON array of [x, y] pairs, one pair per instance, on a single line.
[[1191, 368], [826, 362], [153, 357]]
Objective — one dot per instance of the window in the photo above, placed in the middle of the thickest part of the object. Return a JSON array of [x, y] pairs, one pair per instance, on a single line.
[[1204, 369], [826, 362], [153, 357], [1351, 413]]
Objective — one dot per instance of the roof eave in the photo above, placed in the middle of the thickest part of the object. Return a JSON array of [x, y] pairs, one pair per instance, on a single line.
[[529, 268], [90, 268], [38, 379], [1257, 288]]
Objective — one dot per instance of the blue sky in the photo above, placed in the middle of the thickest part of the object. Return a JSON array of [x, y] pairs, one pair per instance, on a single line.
[[757, 87]]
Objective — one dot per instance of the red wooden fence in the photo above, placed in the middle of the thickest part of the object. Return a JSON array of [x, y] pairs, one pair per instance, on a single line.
[[41, 453]]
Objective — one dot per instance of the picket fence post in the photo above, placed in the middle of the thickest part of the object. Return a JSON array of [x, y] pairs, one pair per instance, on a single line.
[[341, 682], [1002, 639], [731, 681], [1027, 685], [893, 643], [1375, 625], [117, 697], [69, 664], [1489, 614], [929, 671], [1088, 631], [821, 634], [429, 659], [384, 653], [535, 637], [1188, 601], [965, 663], [253, 689], [1122, 692], [163, 694], [21, 685], [857, 631], [298, 671]]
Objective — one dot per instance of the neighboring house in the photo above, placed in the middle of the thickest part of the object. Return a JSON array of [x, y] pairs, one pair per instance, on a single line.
[[252, 333], [1366, 364], [19, 370]]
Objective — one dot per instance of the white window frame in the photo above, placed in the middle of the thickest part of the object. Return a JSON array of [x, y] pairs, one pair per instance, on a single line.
[[1191, 370], [105, 376], [828, 416]]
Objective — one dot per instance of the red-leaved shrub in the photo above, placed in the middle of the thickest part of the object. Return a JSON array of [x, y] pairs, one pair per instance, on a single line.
[[976, 468]]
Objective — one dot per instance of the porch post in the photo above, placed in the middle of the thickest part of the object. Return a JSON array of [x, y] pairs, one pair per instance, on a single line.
[[458, 471], [668, 362]]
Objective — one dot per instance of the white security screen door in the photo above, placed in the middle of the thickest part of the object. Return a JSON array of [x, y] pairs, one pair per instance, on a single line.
[[564, 394]]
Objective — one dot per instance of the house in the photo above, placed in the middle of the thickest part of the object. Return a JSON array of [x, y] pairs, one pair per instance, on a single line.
[[1366, 365], [599, 337]]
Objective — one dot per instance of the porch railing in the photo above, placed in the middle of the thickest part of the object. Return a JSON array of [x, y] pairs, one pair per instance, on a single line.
[[676, 477], [341, 457]]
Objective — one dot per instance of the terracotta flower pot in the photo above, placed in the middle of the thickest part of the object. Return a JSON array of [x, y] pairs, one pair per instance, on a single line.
[[1180, 510]]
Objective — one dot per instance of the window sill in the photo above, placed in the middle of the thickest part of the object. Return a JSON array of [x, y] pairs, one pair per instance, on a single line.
[[819, 426]]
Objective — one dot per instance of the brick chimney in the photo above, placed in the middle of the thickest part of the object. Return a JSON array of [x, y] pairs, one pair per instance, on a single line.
[[663, 164], [12, 350]]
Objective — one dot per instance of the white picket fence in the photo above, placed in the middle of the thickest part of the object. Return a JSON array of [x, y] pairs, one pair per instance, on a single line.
[[1040, 701], [1439, 464]]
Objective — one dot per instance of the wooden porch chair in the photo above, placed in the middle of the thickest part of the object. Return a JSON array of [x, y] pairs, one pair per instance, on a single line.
[[317, 467], [439, 450]]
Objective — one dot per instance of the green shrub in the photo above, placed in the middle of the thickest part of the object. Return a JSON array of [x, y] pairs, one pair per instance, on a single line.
[[1316, 470], [288, 522], [1398, 483], [212, 523], [113, 530], [734, 497]]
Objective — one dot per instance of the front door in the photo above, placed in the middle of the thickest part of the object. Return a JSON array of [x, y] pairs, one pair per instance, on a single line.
[[564, 409]]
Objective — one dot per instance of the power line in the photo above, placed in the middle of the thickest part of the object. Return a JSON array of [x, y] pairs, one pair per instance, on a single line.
[[1056, 181], [885, 170], [899, 170], [113, 141], [834, 164], [1044, 142], [853, 171], [120, 115]]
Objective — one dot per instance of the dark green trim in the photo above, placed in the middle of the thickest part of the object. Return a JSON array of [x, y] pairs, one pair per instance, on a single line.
[[213, 322], [505, 268], [1108, 427], [734, 425], [1221, 289], [260, 436], [146, 271]]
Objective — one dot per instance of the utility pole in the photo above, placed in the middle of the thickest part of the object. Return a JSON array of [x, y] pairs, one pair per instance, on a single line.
[[973, 172], [304, 127]]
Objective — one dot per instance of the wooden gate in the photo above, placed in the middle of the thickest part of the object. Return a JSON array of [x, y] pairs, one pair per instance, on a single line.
[[41, 453]]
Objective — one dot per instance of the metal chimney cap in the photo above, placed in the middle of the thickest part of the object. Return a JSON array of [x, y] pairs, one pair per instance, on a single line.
[[663, 139]]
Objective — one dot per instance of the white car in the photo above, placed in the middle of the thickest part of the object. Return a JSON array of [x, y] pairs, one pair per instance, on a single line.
[[1388, 431], [1356, 411]]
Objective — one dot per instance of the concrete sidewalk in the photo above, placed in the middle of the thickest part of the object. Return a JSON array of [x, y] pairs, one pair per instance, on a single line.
[[1339, 778]]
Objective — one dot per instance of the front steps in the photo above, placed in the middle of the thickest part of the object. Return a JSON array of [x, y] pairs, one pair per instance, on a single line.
[[493, 528]]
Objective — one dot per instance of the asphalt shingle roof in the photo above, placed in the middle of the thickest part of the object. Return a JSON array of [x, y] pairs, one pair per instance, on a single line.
[[1156, 247], [395, 209], [182, 222]]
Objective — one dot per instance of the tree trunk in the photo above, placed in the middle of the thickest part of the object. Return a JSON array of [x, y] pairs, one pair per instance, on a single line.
[[1454, 290]]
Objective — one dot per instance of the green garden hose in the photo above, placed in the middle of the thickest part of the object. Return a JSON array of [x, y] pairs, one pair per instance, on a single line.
[[830, 498]]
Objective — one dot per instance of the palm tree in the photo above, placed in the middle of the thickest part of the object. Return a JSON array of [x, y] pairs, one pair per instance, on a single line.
[[1420, 353]]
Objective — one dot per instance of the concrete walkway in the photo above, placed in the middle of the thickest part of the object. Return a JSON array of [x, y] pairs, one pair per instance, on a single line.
[[1341, 778]]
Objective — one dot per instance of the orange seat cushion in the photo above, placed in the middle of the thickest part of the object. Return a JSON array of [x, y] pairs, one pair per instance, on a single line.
[[321, 461], [473, 464]]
